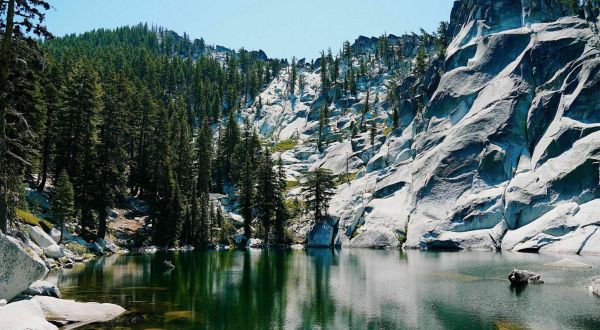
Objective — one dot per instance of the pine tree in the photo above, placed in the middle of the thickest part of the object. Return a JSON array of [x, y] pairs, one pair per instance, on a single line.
[[229, 140], [112, 155], [318, 191], [53, 105], [63, 206], [365, 110], [420, 61], [21, 17], [77, 139], [323, 124], [324, 76], [245, 168], [281, 212], [293, 76], [395, 116], [347, 51], [266, 193], [373, 133], [301, 84], [441, 40]]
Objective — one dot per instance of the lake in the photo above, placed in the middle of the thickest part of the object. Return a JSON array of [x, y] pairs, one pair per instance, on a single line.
[[337, 289]]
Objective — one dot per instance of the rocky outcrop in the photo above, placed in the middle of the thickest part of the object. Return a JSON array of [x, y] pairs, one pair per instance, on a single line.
[[18, 269], [511, 137], [505, 154]]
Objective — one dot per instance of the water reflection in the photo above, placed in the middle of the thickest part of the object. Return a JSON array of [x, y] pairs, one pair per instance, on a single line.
[[330, 289]]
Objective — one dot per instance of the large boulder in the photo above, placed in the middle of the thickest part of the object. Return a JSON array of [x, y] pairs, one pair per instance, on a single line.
[[55, 251], [254, 243], [320, 235], [40, 237], [55, 234], [24, 314], [107, 246], [520, 277], [77, 312], [43, 288], [18, 269], [379, 238], [595, 287]]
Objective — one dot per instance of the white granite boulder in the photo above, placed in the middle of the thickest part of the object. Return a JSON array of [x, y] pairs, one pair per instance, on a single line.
[[24, 314], [18, 269]]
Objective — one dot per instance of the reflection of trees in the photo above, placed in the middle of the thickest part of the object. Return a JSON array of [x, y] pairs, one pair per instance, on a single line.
[[319, 306]]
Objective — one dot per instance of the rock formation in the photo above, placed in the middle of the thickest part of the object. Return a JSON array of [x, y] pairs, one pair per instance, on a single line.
[[505, 154]]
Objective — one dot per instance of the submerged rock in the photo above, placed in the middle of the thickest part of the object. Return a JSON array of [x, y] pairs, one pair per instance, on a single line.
[[520, 277], [568, 263], [595, 287], [18, 269]]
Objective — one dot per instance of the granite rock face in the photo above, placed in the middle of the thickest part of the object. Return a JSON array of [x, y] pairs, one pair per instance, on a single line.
[[511, 136], [505, 154], [18, 269]]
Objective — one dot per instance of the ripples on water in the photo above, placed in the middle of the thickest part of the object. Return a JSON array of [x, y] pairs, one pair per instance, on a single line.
[[330, 289]]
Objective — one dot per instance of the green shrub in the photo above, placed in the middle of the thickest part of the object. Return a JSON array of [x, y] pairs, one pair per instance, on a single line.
[[345, 177], [76, 248], [30, 219], [285, 145], [291, 184]]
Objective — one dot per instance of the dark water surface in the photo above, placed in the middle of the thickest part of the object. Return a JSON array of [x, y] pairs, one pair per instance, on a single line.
[[345, 289]]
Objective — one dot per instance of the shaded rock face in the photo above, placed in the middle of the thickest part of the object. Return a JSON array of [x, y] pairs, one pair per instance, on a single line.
[[500, 15], [17, 268]]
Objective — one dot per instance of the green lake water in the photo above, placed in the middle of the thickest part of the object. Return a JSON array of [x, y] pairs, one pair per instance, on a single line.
[[336, 289]]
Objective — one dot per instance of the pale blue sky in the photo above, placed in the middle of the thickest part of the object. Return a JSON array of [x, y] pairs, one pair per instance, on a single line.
[[282, 28]]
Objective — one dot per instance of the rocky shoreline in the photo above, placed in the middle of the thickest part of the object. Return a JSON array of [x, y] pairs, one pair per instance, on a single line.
[[28, 302]]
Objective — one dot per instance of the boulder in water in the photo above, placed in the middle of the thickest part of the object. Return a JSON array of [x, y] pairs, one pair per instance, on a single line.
[[521, 277], [71, 311], [595, 287]]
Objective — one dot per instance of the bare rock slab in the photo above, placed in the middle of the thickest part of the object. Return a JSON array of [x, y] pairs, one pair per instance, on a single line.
[[77, 312], [25, 314]]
